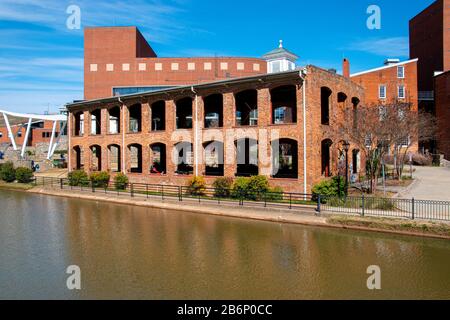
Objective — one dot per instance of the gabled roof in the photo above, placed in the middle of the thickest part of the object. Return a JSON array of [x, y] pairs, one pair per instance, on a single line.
[[383, 68]]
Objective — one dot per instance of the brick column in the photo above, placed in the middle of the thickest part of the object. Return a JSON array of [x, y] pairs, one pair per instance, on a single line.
[[146, 161], [170, 127], [145, 114], [104, 125], [264, 107], [229, 116], [87, 123]]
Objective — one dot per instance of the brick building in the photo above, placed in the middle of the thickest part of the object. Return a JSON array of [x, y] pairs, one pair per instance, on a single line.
[[41, 132], [118, 60], [442, 98], [278, 125], [429, 41], [394, 82]]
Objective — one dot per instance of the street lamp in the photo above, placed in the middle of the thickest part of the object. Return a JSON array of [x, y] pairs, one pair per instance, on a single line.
[[346, 146]]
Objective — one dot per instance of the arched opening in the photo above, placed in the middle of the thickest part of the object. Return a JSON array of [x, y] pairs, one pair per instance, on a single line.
[[341, 98], [325, 94], [285, 158], [96, 158], [213, 111], [135, 123], [326, 157], [96, 122], [114, 158], [214, 160], [247, 157], [158, 116], [356, 161], [78, 151], [114, 120], [284, 104], [79, 124], [183, 157], [158, 158], [184, 113], [247, 108], [135, 157], [355, 103]]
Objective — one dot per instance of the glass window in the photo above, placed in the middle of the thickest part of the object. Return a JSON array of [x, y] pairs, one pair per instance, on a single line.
[[400, 72], [382, 92], [401, 92], [276, 66]]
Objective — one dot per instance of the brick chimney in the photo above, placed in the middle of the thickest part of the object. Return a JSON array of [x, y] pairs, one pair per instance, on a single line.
[[346, 68]]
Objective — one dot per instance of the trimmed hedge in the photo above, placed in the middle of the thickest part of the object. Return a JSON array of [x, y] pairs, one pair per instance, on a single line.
[[78, 178], [121, 181], [100, 179], [196, 186], [7, 172], [222, 187], [329, 188]]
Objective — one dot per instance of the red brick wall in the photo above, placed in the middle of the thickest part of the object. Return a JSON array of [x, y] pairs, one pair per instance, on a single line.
[[118, 46], [426, 32], [442, 99]]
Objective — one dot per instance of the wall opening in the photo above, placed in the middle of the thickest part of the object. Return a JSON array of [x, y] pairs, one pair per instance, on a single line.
[[213, 111], [247, 157], [285, 159], [326, 157], [96, 122], [96, 158], [78, 157], [184, 158], [356, 161], [214, 159], [158, 116], [184, 113], [284, 104], [247, 108], [79, 124], [158, 158], [325, 94], [135, 156], [342, 99], [355, 103], [135, 123], [114, 120], [114, 158]]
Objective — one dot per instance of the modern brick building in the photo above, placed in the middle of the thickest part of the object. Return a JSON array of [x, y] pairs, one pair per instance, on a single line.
[[442, 99], [278, 125], [118, 60], [394, 82], [41, 132]]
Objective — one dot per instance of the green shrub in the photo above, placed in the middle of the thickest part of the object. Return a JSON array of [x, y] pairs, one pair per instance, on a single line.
[[334, 187], [196, 186], [275, 194], [100, 179], [24, 175], [222, 187], [121, 181], [240, 187], [7, 172], [252, 188], [78, 178]]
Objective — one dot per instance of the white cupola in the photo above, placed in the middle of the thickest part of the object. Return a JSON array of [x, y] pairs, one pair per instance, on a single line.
[[280, 60]]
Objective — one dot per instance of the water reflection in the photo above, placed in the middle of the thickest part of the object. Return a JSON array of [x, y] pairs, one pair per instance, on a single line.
[[132, 252]]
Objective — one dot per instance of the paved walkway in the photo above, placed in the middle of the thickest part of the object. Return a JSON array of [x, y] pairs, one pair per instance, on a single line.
[[53, 173], [433, 183]]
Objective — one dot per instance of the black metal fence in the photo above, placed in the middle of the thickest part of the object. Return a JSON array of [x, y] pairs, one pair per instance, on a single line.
[[317, 204]]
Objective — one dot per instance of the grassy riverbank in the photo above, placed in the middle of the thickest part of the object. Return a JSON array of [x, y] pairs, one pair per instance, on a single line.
[[15, 186], [392, 225]]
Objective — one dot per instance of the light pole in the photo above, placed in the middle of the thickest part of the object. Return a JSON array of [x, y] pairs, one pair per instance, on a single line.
[[346, 148]]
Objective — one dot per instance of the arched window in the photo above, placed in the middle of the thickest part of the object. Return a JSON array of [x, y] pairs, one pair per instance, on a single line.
[[114, 120], [285, 159], [135, 123], [247, 157], [284, 104], [78, 153], [184, 113], [326, 157], [135, 158], [158, 116], [79, 124], [325, 94], [341, 98], [214, 111], [184, 158], [114, 158], [96, 158], [214, 159], [158, 158], [247, 108], [355, 103]]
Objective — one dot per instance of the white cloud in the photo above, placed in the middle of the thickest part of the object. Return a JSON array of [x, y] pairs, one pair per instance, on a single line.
[[387, 47]]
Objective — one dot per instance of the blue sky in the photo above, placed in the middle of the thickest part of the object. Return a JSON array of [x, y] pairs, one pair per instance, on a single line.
[[41, 60]]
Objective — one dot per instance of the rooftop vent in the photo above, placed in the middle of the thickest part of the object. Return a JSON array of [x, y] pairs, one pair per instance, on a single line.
[[389, 62]]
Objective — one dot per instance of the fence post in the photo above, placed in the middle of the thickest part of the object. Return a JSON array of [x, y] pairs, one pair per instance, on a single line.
[[132, 190], [146, 190], [413, 208], [162, 192], [93, 187], [180, 194], [363, 205], [265, 199], [290, 200], [61, 183], [319, 201]]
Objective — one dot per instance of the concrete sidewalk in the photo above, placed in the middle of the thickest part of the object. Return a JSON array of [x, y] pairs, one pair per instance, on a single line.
[[433, 183]]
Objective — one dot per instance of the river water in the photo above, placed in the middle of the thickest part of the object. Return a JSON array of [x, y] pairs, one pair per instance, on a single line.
[[127, 252]]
